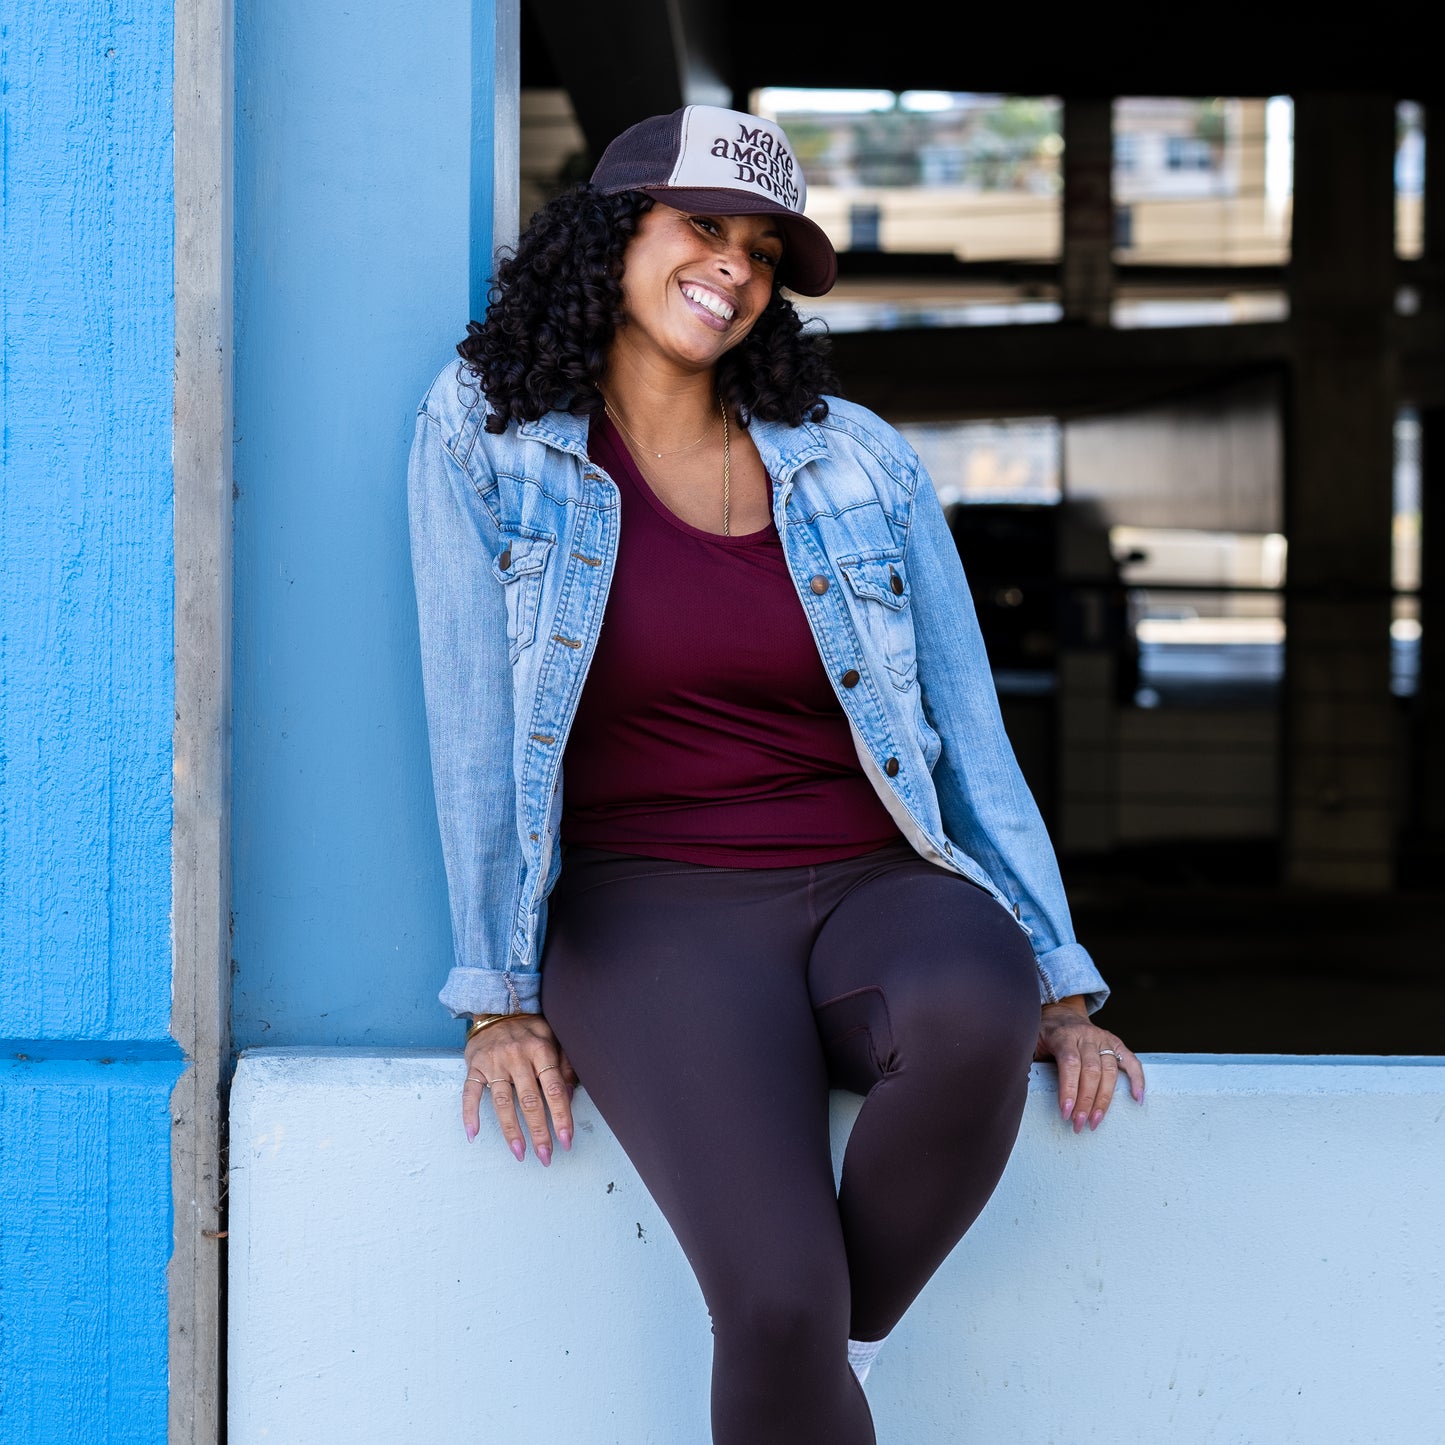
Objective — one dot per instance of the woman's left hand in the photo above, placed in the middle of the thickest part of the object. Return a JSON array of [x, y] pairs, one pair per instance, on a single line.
[[1089, 1059]]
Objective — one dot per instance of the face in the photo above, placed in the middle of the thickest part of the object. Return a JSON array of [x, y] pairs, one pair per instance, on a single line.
[[694, 285]]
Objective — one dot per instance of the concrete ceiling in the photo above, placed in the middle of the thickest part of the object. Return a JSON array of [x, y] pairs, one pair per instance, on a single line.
[[623, 61]]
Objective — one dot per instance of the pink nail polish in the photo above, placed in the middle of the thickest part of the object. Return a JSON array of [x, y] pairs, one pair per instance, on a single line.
[[1068, 1108], [544, 1153], [471, 1133], [565, 1135], [519, 1149], [1096, 1118]]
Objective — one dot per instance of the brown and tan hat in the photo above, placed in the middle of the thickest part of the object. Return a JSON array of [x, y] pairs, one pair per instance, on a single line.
[[704, 158]]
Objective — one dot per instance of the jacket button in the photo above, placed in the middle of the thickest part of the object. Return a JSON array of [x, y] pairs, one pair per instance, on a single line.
[[819, 584], [895, 582], [850, 678], [505, 560], [891, 767]]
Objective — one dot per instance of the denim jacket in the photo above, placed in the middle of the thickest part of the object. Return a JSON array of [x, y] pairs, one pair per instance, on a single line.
[[513, 544]]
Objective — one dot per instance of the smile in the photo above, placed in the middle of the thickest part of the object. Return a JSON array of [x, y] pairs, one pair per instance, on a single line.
[[710, 302]]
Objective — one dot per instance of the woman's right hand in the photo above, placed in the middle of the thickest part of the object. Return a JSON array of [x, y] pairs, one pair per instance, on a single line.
[[522, 1063]]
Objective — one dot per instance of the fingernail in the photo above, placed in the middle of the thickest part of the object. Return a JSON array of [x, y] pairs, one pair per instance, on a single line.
[[570, 1091], [519, 1149], [1068, 1108], [1078, 1124], [565, 1135], [471, 1133], [1096, 1118], [544, 1153]]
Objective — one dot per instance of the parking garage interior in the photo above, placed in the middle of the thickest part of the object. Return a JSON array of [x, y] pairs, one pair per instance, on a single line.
[[1164, 323]]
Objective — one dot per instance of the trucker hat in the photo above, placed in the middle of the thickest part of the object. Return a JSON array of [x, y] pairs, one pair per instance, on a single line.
[[705, 158]]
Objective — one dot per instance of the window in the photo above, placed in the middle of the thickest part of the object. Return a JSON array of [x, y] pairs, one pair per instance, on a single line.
[[1205, 181], [956, 173], [1409, 180]]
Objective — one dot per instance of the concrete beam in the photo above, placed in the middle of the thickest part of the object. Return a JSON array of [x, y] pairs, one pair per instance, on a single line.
[[390, 1281], [949, 373]]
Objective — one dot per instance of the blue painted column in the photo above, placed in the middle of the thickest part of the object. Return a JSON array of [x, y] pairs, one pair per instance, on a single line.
[[356, 130], [86, 683]]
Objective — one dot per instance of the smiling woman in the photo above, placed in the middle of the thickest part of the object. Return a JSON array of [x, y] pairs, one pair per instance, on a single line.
[[794, 851]]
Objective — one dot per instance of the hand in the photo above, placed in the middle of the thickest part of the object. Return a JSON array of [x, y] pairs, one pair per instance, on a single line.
[[1086, 1077], [520, 1060]]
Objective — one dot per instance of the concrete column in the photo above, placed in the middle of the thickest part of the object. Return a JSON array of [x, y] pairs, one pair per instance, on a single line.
[[1086, 270], [1428, 755], [1427, 820], [1340, 720], [1433, 212]]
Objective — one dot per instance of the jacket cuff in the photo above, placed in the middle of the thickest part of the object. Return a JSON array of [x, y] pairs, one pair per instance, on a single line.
[[1067, 970], [491, 991]]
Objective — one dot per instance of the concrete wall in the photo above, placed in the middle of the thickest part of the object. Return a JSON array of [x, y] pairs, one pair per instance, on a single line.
[[358, 143], [86, 1061], [1253, 1255]]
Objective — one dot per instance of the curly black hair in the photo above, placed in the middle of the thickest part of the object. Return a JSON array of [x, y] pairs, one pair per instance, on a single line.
[[556, 303]]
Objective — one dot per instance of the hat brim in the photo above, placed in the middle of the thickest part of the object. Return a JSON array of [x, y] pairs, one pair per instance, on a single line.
[[810, 264]]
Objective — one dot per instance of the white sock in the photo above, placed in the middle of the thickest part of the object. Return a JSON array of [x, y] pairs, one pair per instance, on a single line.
[[861, 1354]]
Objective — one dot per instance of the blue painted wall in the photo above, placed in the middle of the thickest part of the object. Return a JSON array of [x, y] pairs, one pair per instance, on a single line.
[[86, 207], [353, 245]]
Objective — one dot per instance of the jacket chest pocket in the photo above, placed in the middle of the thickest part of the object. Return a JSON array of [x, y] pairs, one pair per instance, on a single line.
[[520, 567], [880, 603]]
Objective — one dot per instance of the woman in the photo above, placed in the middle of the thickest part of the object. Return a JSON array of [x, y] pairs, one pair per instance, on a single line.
[[794, 851]]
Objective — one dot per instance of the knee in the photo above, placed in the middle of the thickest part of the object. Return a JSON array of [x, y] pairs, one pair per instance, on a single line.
[[964, 1033], [785, 1317]]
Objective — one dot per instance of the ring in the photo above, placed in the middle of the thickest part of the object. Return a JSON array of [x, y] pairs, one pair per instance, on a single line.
[[484, 1081], [545, 1067], [1102, 1052]]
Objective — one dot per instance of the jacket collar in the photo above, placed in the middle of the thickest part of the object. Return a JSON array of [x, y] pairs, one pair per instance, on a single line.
[[782, 448]]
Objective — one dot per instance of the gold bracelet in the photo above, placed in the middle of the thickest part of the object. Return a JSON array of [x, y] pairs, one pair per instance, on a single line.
[[481, 1022]]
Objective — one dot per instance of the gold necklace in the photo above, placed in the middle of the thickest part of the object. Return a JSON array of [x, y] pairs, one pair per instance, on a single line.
[[607, 406], [727, 469], [727, 453]]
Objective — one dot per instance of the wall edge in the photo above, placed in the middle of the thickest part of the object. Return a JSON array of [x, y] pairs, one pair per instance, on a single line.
[[203, 93]]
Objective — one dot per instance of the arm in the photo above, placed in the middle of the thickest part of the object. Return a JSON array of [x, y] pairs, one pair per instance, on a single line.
[[467, 680], [986, 804]]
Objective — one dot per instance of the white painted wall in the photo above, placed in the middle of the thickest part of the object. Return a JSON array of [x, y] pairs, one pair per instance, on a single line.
[[1256, 1256]]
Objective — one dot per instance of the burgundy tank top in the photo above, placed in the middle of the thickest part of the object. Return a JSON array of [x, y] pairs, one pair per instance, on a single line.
[[707, 730]]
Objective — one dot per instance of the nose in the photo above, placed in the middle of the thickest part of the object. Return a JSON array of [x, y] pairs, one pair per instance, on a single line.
[[732, 259]]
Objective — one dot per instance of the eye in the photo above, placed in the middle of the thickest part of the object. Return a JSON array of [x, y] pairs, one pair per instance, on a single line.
[[768, 259], [705, 223]]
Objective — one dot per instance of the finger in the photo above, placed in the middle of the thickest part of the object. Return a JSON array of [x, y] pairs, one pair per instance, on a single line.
[[1134, 1070], [504, 1101], [1068, 1065], [559, 1101], [1108, 1077], [1091, 1070], [472, 1091], [534, 1110]]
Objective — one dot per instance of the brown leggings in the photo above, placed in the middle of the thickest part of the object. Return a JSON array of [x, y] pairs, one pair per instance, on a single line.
[[708, 1011]]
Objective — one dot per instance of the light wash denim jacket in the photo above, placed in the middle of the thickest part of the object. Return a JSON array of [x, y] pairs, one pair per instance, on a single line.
[[513, 543]]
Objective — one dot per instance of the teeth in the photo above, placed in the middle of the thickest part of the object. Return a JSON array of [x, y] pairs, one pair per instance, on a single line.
[[709, 302]]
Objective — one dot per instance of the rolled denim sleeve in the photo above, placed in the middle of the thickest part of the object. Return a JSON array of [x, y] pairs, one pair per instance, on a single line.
[[466, 678], [987, 807]]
